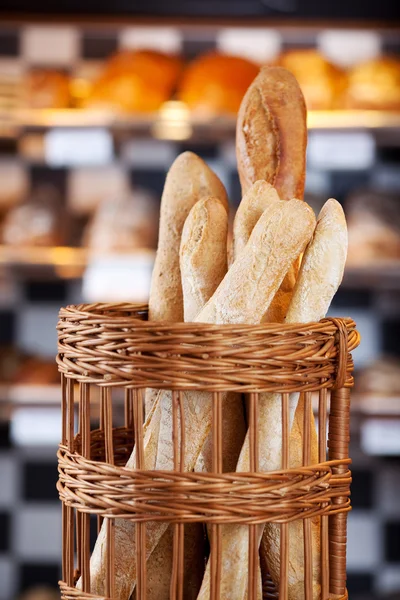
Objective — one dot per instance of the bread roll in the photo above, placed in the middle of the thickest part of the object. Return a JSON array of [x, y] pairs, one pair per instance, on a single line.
[[216, 83], [320, 275], [321, 82], [136, 81], [188, 180], [46, 88], [288, 228], [374, 85], [271, 134], [258, 199]]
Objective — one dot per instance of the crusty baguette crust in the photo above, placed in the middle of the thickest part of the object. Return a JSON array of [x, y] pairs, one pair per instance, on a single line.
[[203, 261], [188, 180], [278, 238], [271, 133], [322, 266], [256, 200]]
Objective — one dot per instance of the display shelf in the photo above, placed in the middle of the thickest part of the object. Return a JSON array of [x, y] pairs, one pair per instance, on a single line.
[[65, 261], [59, 261], [366, 405], [174, 122], [379, 275]]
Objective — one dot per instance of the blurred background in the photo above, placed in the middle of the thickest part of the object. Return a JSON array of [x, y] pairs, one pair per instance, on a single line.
[[94, 107]]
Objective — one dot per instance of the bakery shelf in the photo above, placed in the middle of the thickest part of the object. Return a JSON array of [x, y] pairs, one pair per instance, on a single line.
[[173, 122], [379, 275], [61, 261], [70, 262], [32, 394], [50, 394]]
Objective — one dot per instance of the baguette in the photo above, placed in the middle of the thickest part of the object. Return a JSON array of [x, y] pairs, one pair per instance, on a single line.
[[202, 265], [270, 541], [203, 262], [271, 141], [271, 134], [320, 276], [189, 179], [288, 227], [256, 200]]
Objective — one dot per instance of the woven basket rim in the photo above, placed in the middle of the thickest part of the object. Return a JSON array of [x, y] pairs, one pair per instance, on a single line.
[[105, 312]]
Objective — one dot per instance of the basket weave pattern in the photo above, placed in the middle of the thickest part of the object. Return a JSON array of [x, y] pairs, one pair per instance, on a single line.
[[110, 346]]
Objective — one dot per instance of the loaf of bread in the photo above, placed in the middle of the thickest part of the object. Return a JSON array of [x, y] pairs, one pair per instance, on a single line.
[[135, 81], [189, 179], [321, 82], [215, 83], [320, 275], [374, 85], [246, 289], [271, 134]]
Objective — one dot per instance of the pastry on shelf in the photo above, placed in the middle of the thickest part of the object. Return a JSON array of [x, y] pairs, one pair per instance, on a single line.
[[136, 81], [374, 84], [321, 82], [45, 88], [374, 228], [39, 221], [215, 83], [123, 224]]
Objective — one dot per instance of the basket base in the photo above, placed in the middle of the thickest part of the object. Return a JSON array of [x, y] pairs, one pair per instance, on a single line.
[[71, 593]]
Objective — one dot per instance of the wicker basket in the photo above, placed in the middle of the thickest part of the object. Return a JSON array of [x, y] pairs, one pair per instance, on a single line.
[[105, 347]]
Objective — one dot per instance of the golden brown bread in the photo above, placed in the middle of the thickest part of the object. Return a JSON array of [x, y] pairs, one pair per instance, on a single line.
[[374, 84], [189, 179], [136, 81], [271, 133], [321, 82], [215, 83]]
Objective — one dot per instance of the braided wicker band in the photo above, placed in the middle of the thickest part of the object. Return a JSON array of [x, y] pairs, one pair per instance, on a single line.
[[181, 497], [111, 345], [71, 593]]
